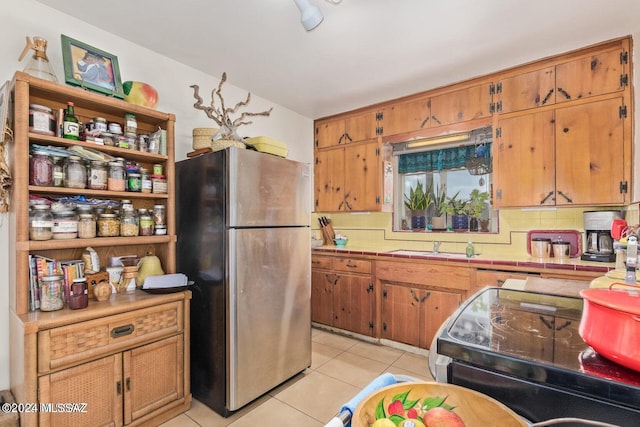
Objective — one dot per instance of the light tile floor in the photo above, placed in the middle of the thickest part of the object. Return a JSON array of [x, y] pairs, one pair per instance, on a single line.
[[340, 367]]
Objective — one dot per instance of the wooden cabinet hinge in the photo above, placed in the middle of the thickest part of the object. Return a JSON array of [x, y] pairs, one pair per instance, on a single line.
[[499, 87], [492, 107], [498, 106], [379, 130], [377, 200], [624, 57], [624, 187], [498, 132], [499, 194], [371, 325], [379, 116], [377, 152], [384, 326], [384, 293], [370, 288], [623, 112], [492, 89], [624, 79]]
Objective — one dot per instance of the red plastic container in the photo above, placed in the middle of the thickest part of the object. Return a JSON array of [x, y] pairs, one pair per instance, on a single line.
[[611, 323]]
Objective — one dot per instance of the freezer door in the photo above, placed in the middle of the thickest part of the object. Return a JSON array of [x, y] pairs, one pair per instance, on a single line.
[[266, 190], [269, 337]]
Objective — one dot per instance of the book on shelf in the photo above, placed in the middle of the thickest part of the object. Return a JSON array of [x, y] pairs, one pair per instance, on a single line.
[[40, 266]]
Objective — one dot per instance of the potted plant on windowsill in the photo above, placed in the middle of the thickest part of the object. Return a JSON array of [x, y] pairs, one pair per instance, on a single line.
[[458, 210], [475, 206], [417, 202], [440, 206]]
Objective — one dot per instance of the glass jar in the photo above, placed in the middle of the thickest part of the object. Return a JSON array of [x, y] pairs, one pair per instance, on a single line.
[[134, 182], [41, 120], [160, 230], [98, 175], [41, 223], [159, 215], [146, 222], [52, 293], [116, 179], [129, 223], [100, 123], [58, 171], [65, 225], [108, 225], [131, 141], [130, 124], [40, 169], [145, 181], [75, 173], [87, 226]]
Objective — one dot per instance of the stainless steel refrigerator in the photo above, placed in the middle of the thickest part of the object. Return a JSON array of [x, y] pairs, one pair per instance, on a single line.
[[244, 239]]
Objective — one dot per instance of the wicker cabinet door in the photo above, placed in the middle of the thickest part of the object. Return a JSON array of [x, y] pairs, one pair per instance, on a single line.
[[362, 177], [153, 377], [97, 384], [524, 171], [329, 180]]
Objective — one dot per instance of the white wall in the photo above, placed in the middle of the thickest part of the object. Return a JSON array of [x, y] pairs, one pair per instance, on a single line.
[[172, 80]]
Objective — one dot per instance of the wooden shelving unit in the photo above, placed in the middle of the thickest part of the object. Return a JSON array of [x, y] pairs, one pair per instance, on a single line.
[[39, 369]]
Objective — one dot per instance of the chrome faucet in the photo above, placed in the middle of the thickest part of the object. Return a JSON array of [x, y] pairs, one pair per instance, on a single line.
[[436, 247]]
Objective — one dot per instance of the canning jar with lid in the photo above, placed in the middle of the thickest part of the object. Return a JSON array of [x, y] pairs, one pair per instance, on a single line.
[[145, 181], [52, 293], [159, 214], [58, 171], [134, 182], [75, 173], [116, 178], [40, 169], [108, 225], [98, 175], [40, 223], [130, 124], [87, 226], [78, 294], [146, 222], [65, 225], [41, 120], [129, 223]]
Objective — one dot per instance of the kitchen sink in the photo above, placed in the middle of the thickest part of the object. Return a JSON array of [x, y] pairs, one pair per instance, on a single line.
[[428, 253]]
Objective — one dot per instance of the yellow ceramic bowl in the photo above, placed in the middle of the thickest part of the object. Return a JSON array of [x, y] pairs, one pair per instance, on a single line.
[[474, 408]]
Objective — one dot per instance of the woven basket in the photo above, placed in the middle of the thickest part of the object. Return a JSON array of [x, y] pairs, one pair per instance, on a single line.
[[221, 144], [202, 137]]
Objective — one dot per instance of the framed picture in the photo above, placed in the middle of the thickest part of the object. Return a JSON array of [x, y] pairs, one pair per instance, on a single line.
[[91, 68]]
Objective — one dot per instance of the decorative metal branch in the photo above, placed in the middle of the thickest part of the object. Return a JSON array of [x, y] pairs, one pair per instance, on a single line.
[[222, 115]]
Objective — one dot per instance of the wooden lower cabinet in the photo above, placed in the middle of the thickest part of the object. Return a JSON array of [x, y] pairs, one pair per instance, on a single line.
[[342, 294], [495, 278], [121, 362], [413, 315]]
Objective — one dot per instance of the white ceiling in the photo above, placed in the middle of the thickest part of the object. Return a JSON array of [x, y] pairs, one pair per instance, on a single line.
[[365, 51]]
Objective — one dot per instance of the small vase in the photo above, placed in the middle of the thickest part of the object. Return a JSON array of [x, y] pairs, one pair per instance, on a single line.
[[484, 225], [473, 224], [460, 222], [439, 222]]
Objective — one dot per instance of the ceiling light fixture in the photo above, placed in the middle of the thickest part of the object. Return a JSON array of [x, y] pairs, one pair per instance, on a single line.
[[439, 140], [310, 14]]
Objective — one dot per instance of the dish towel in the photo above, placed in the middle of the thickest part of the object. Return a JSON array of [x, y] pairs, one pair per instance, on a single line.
[[382, 381]]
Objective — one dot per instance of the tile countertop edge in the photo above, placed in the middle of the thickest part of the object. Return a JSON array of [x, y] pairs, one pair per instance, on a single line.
[[574, 264]]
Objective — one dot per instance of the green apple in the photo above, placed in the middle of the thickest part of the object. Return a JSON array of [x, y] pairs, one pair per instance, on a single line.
[[140, 93]]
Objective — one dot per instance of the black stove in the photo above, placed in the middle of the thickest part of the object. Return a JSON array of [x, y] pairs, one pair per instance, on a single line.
[[523, 349]]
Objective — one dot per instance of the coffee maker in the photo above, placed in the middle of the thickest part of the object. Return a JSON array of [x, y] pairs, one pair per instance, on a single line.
[[599, 243]]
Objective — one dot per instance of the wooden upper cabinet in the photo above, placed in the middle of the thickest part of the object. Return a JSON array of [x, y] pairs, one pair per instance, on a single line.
[[527, 90], [348, 178], [461, 105], [524, 172], [605, 71], [590, 154], [345, 129], [592, 75], [406, 116]]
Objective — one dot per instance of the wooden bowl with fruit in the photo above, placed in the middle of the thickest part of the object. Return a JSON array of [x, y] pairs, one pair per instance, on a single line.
[[431, 404]]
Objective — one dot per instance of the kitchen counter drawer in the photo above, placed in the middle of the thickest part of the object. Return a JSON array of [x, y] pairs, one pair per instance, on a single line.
[[65, 346], [323, 262], [351, 265]]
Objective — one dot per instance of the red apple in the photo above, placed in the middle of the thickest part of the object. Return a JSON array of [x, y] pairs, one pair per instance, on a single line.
[[441, 417], [140, 93]]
